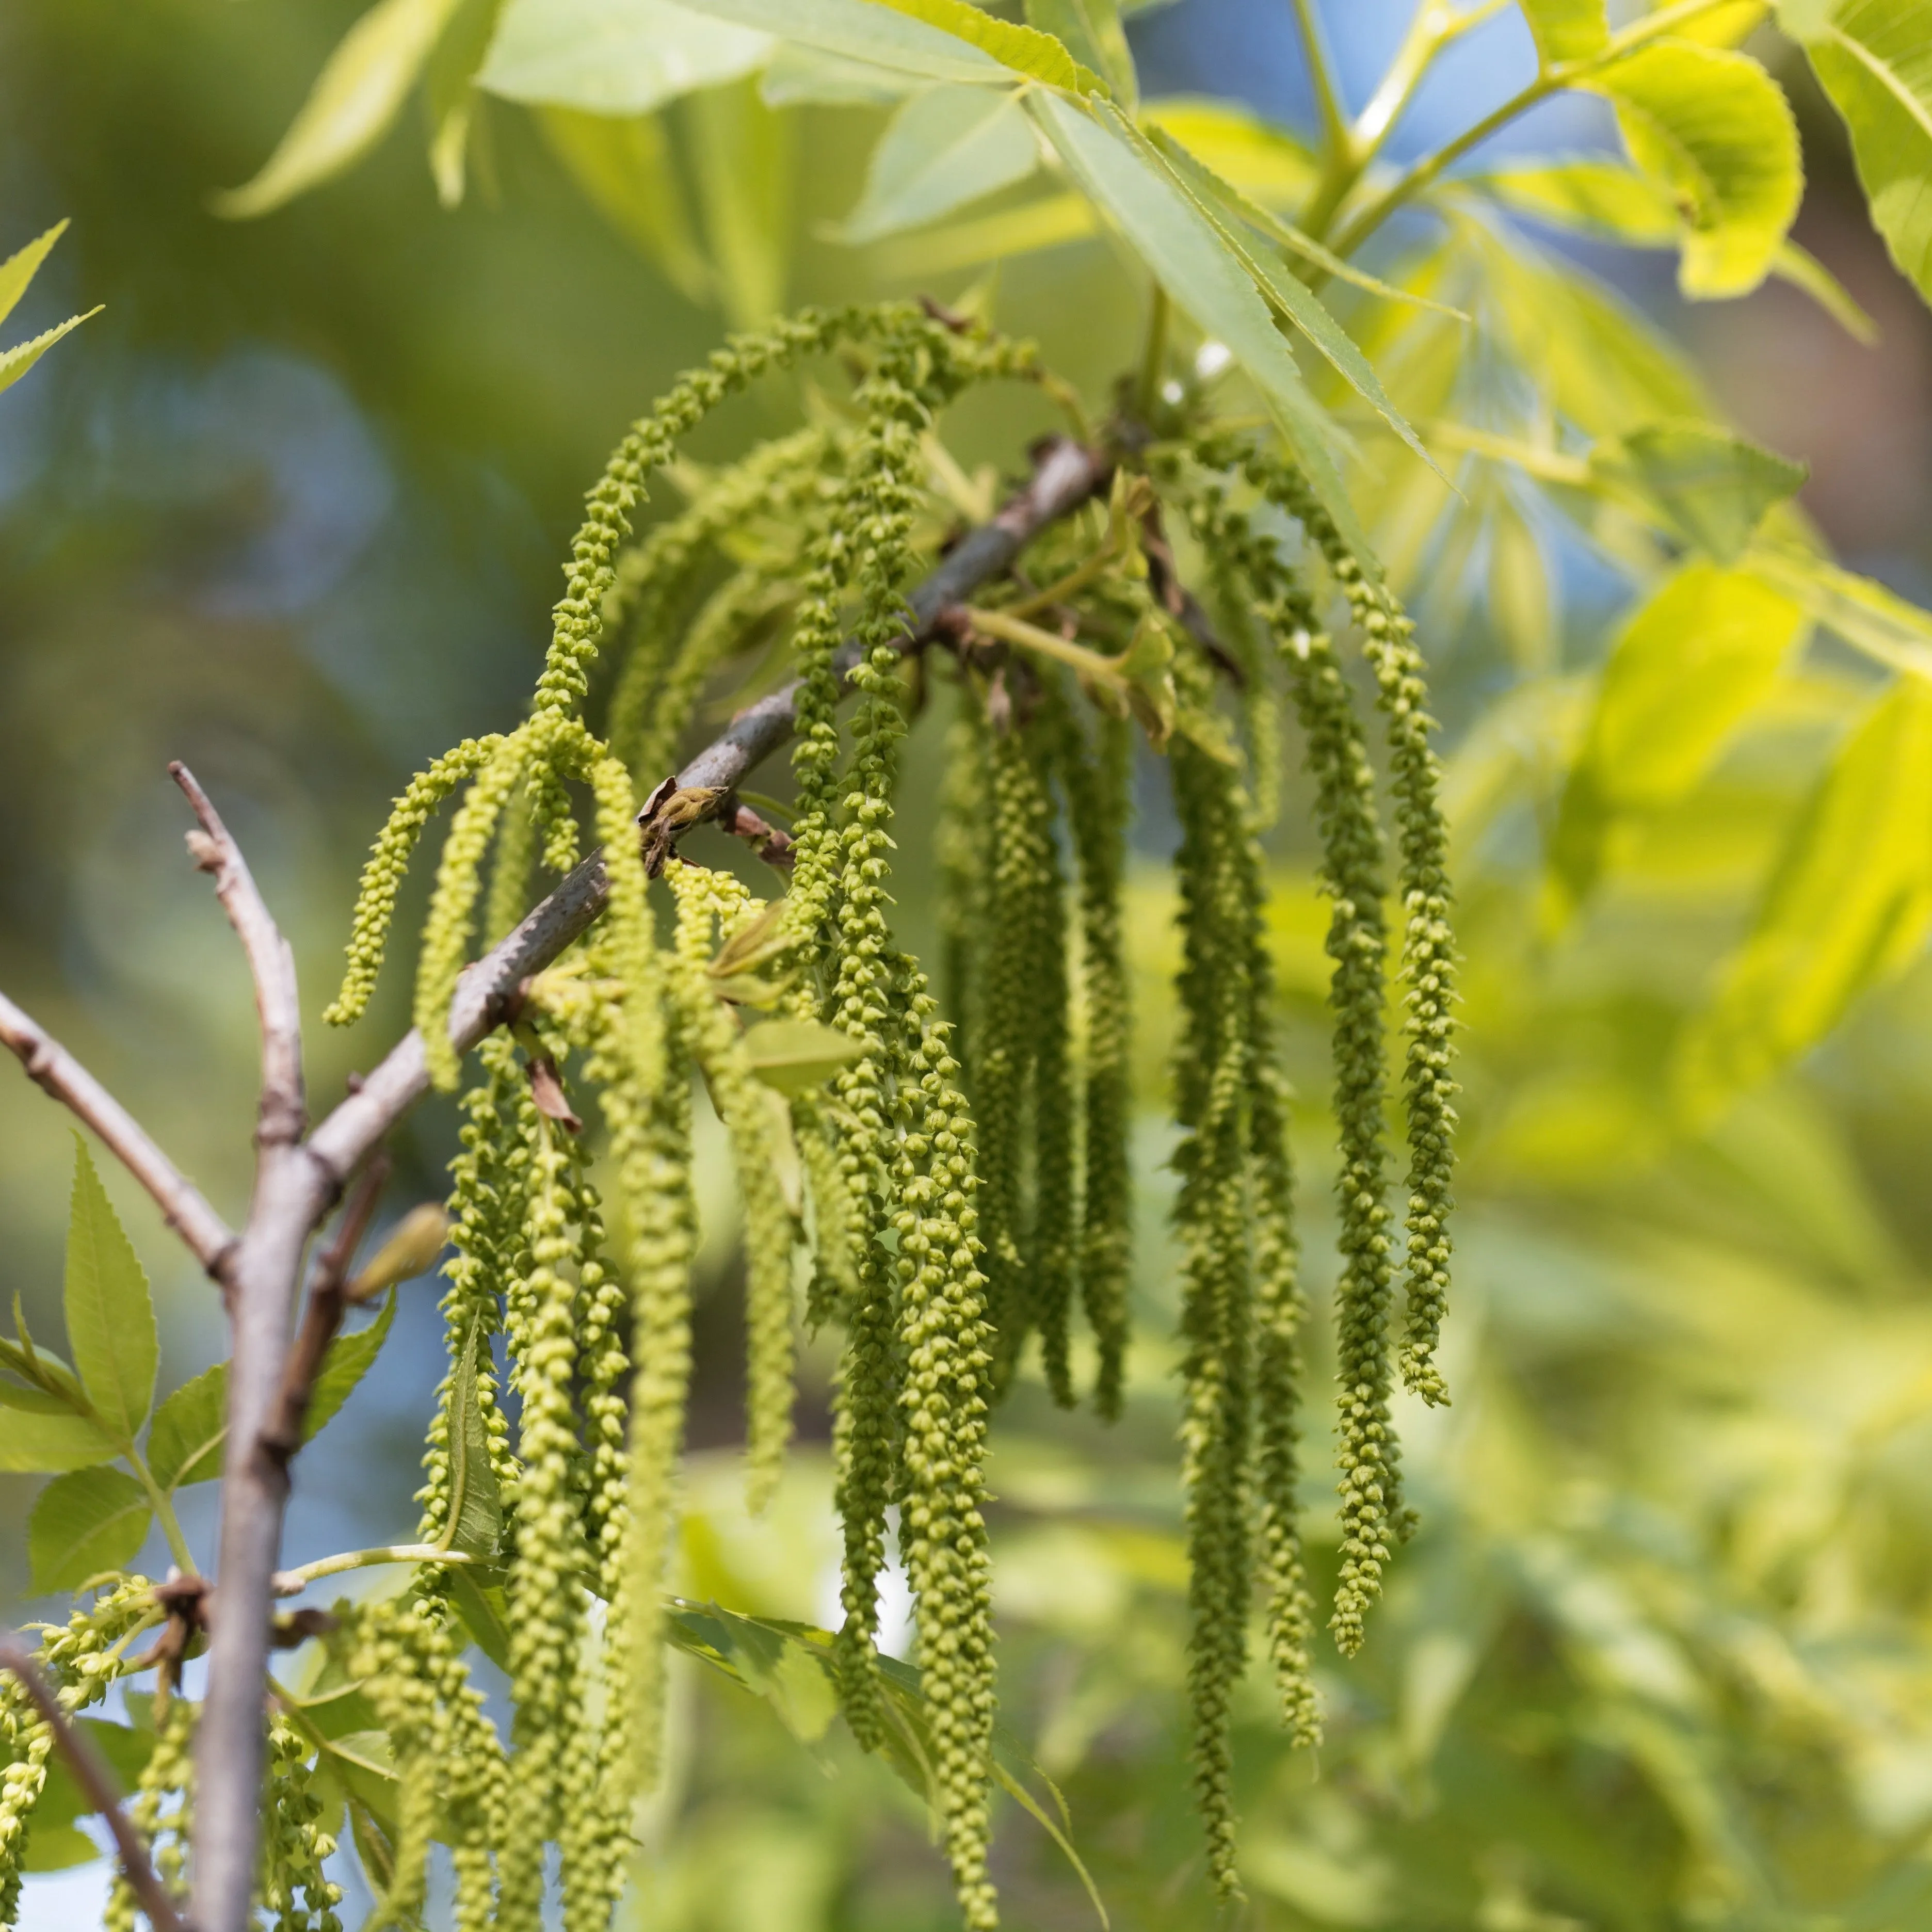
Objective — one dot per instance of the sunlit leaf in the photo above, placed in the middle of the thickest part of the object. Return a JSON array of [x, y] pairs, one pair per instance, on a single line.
[[1228, 210], [742, 153], [90, 1521], [1873, 59], [798, 75], [355, 99], [1521, 606], [1025, 50], [449, 94], [1847, 907], [1187, 256], [110, 1314], [614, 56], [794, 1056], [943, 147], [1567, 30], [624, 165], [1091, 31], [1867, 615], [20, 268], [39, 1431], [1708, 487], [1690, 666], [1051, 222], [1716, 130], [15, 362], [1265, 162], [185, 1444], [863, 30]]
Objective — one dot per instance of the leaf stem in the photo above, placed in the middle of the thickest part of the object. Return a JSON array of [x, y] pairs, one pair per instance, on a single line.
[[162, 1505], [291, 1582], [1322, 77], [1153, 355]]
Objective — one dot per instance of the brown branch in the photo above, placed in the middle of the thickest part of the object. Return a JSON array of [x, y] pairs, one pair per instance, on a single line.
[[271, 965], [51, 1067], [92, 1774], [329, 1301]]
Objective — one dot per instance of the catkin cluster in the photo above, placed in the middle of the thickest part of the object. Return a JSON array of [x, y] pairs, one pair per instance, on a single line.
[[954, 1179]]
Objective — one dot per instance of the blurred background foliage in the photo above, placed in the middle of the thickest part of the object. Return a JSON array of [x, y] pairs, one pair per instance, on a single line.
[[290, 509]]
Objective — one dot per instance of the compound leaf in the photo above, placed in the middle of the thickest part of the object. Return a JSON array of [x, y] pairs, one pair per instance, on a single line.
[[943, 148]]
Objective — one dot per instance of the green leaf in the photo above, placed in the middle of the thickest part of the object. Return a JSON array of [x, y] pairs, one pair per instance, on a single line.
[[1567, 30], [1867, 615], [110, 1314], [862, 30], [1707, 486], [743, 154], [1847, 907], [93, 1520], [614, 56], [184, 1444], [944, 147], [1716, 130], [1873, 59], [20, 268], [1025, 50], [355, 99], [449, 94], [40, 1432], [480, 1603], [54, 1844], [801, 76], [1266, 162], [1589, 196], [1202, 277], [1692, 664], [476, 1519], [624, 166], [1051, 222], [1521, 608], [794, 1056], [15, 362], [1091, 31], [1229, 211]]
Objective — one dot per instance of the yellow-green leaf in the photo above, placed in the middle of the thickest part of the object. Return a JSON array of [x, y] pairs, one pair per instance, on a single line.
[[1051, 222], [743, 155], [1091, 31], [1025, 50], [943, 147], [110, 1315], [475, 1523], [20, 268], [1228, 211], [624, 165], [1202, 278], [1848, 906], [355, 99], [15, 362], [614, 56], [1703, 484], [40, 1432], [794, 1056], [1567, 30], [1266, 162], [1873, 59], [92, 1520], [184, 1444], [1715, 130], [863, 30]]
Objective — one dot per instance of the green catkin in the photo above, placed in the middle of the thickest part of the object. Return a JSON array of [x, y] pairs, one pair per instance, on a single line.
[[1018, 883], [1428, 952], [1099, 800], [745, 1105], [600, 1305], [1213, 1060], [653, 578], [943, 1404], [962, 851], [511, 867], [486, 1209], [168, 1772], [382, 875], [293, 1887], [1054, 1235], [446, 932], [546, 1601], [838, 1231]]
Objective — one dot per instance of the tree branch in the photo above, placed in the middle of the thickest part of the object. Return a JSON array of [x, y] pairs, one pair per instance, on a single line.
[[53, 1069], [92, 1774], [271, 965]]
